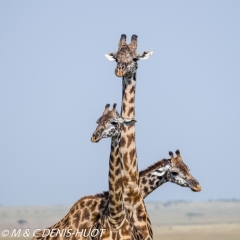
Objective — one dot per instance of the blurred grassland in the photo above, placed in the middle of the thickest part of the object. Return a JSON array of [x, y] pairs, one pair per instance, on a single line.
[[177, 220]]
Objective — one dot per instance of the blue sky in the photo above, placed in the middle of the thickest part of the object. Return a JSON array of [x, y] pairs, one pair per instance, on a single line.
[[55, 81]]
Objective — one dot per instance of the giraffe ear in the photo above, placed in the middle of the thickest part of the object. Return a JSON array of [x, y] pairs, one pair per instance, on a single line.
[[145, 55], [111, 56], [128, 122]]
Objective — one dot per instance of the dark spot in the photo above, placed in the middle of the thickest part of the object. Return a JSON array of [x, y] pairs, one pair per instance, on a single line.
[[77, 218], [144, 181], [130, 111], [131, 100], [89, 203], [85, 215], [117, 172], [123, 107], [118, 161], [125, 161], [122, 142], [132, 89], [130, 138], [110, 175], [132, 154], [116, 152], [151, 181]]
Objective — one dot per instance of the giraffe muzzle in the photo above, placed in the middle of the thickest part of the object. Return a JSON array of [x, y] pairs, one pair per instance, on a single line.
[[119, 73], [94, 139], [196, 188]]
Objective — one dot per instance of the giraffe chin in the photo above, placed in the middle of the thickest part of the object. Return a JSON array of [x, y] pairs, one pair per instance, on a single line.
[[197, 188], [93, 139]]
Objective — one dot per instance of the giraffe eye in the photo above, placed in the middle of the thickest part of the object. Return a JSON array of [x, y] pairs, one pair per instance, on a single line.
[[134, 59], [114, 123], [174, 173]]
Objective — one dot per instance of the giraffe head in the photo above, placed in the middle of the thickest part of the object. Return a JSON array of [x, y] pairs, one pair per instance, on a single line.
[[177, 171], [127, 57], [110, 124]]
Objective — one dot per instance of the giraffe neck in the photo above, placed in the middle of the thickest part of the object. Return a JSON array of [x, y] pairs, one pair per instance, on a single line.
[[116, 208], [128, 97], [130, 175], [132, 197], [150, 182]]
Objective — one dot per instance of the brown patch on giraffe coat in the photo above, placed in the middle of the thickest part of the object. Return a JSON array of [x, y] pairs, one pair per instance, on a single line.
[[118, 161], [144, 181], [65, 221], [116, 152], [141, 213], [95, 217], [85, 215], [131, 100], [117, 172], [93, 206], [123, 107], [76, 219], [132, 196], [132, 155], [130, 111], [124, 180], [119, 197], [82, 204], [111, 176], [151, 181], [132, 90], [145, 189], [72, 210], [113, 202], [122, 142], [130, 138], [125, 161], [88, 203], [133, 176]]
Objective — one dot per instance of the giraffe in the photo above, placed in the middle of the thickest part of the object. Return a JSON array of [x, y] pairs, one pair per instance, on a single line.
[[114, 221], [87, 211], [126, 58]]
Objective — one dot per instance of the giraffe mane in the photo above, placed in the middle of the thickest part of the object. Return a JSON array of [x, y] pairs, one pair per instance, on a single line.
[[98, 195], [156, 165]]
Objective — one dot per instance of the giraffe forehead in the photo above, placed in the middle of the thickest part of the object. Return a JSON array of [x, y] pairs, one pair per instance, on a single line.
[[125, 53], [104, 119], [181, 167]]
